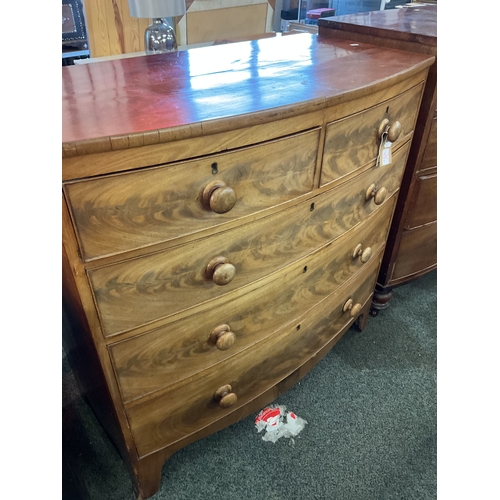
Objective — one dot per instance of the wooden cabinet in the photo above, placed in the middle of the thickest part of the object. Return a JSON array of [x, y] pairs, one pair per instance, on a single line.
[[412, 245], [218, 239]]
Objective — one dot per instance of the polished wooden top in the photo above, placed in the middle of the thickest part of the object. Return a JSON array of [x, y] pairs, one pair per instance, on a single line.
[[411, 24], [194, 92]]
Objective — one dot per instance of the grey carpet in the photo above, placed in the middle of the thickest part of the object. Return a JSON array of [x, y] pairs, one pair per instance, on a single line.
[[371, 410]]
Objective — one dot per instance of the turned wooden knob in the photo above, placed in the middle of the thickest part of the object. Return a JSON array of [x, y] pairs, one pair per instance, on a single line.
[[394, 131], [383, 127], [222, 337], [225, 396], [364, 255], [378, 195], [218, 197], [220, 271], [355, 309]]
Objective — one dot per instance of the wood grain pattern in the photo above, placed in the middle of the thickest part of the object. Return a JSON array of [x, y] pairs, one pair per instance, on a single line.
[[112, 216], [140, 291], [82, 159], [430, 154], [407, 25], [412, 29], [300, 251], [147, 363], [424, 204], [353, 142], [82, 340], [417, 249], [155, 460], [185, 407], [110, 28], [291, 75]]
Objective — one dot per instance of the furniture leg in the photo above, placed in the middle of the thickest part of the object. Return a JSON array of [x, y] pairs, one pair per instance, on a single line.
[[147, 476], [362, 319], [381, 299]]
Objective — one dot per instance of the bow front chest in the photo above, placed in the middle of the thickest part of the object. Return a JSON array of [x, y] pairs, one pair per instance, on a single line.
[[225, 212]]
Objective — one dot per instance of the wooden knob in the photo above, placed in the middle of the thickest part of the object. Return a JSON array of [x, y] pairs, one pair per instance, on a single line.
[[394, 131], [383, 127], [225, 396], [224, 274], [222, 337], [378, 195], [220, 271], [364, 255], [354, 309], [218, 197]]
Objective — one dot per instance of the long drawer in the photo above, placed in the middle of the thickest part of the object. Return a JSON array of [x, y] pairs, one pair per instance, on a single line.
[[191, 404], [122, 212], [142, 290], [353, 142], [149, 362]]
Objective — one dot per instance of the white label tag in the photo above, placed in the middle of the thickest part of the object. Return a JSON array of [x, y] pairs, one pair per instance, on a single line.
[[386, 154], [383, 142]]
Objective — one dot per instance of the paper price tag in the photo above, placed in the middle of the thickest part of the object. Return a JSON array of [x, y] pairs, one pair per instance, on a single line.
[[386, 154], [383, 142]]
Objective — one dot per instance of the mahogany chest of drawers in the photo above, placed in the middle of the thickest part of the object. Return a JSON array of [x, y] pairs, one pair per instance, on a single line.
[[224, 220], [411, 249]]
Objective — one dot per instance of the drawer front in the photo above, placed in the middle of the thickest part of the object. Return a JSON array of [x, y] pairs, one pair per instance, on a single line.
[[354, 142], [190, 405], [140, 291], [149, 362], [423, 208], [417, 252], [430, 155], [122, 212]]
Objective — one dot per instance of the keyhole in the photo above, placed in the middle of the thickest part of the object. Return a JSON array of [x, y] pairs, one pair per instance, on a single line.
[[305, 269], [387, 110], [312, 207], [215, 168]]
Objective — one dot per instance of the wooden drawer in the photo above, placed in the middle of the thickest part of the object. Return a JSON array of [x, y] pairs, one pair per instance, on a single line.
[[188, 406], [423, 208], [430, 155], [122, 212], [353, 142], [149, 362], [417, 252], [142, 290]]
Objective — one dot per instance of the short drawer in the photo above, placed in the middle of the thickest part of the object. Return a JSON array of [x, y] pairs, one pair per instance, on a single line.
[[423, 209], [186, 407], [143, 290], [149, 362], [353, 142], [122, 212]]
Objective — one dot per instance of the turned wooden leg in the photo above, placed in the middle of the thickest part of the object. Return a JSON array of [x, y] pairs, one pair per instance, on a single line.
[[381, 299], [147, 472]]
